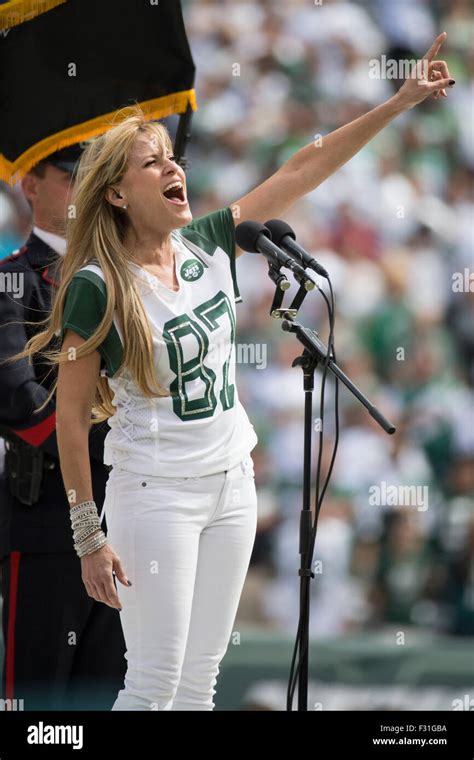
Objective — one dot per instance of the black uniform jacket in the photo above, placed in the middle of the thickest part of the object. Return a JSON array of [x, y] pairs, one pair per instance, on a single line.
[[28, 280]]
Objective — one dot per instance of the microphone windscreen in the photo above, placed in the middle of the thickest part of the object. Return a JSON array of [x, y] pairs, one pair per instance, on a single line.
[[247, 234], [278, 229]]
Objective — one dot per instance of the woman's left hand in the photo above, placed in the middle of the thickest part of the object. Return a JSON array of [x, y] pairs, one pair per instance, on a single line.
[[428, 77]]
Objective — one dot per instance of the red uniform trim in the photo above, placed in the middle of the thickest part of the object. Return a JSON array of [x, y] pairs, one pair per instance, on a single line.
[[10, 642], [48, 279], [37, 434]]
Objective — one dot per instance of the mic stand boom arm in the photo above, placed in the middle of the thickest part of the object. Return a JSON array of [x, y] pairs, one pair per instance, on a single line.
[[310, 340]]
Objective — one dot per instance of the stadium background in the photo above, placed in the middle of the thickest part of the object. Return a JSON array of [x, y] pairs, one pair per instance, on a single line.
[[393, 608]]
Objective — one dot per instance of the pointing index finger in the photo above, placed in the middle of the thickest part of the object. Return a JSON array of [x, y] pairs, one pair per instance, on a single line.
[[431, 52]]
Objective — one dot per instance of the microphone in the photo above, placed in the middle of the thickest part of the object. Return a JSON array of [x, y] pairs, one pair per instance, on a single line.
[[255, 238], [284, 237]]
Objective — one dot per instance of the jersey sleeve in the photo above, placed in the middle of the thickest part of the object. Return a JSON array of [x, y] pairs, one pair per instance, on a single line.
[[84, 308], [218, 229]]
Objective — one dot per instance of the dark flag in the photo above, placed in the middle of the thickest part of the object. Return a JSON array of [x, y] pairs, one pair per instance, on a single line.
[[66, 71], [13, 12]]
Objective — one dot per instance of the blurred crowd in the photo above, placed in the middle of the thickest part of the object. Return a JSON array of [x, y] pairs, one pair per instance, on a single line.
[[394, 229]]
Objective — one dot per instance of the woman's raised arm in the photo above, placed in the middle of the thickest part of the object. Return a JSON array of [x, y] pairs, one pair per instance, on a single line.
[[314, 163]]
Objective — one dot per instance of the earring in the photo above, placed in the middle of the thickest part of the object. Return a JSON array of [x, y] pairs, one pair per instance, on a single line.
[[124, 205]]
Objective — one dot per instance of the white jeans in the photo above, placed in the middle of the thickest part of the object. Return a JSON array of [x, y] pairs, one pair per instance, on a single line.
[[185, 544]]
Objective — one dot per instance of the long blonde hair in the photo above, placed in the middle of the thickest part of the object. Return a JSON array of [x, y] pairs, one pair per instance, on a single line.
[[97, 232]]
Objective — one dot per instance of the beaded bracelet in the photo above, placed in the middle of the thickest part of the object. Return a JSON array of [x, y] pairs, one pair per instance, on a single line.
[[87, 534]]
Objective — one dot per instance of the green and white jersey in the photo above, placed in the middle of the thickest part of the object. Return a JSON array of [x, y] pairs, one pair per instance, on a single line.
[[202, 427]]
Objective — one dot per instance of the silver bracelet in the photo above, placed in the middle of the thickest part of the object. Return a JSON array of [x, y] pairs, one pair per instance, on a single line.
[[79, 507], [80, 536], [82, 511], [87, 535], [84, 514], [91, 545]]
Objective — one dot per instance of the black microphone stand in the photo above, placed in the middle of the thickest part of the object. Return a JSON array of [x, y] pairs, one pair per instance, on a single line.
[[314, 352]]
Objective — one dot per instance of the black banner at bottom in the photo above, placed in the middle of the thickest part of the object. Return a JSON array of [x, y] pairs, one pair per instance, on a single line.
[[376, 734]]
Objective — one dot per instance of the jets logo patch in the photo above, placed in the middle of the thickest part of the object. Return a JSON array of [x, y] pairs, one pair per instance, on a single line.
[[191, 270]]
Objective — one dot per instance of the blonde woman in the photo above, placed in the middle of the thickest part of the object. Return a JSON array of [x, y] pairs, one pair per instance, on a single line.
[[146, 315]]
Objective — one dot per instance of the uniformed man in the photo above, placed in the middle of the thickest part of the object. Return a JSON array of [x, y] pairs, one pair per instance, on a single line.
[[63, 650]]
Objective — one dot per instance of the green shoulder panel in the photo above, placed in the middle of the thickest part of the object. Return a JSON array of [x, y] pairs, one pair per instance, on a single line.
[[213, 230], [84, 309]]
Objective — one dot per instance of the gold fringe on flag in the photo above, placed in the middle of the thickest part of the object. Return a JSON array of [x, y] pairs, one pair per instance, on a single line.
[[158, 108], [18, 11]]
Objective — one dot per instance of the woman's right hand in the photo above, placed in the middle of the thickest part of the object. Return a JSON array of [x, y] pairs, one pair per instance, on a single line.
[[97, 574]]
